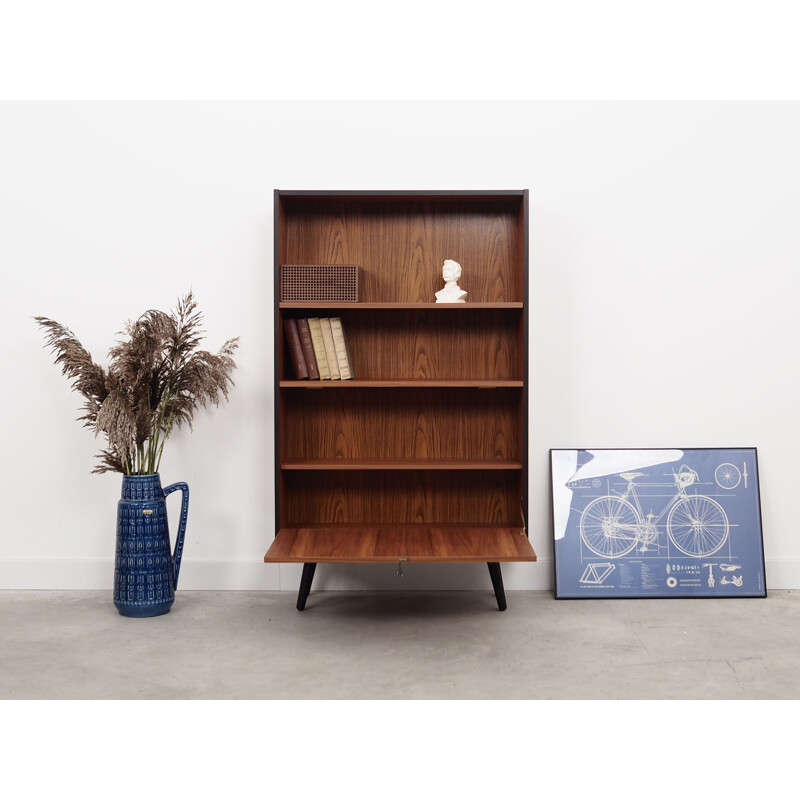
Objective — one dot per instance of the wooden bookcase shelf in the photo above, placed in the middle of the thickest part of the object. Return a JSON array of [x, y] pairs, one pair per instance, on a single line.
[[430, 463], [371, 543], [409, 383], [294, 304], [437, 471]]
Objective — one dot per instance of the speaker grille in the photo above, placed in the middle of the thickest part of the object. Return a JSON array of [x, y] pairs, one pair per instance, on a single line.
[[319, 282]]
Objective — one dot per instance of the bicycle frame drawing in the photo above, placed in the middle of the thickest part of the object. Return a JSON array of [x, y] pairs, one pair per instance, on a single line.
[[657, 523], [612, 525]]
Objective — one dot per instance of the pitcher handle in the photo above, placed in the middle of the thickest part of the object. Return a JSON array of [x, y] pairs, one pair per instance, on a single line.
[[176, 557]]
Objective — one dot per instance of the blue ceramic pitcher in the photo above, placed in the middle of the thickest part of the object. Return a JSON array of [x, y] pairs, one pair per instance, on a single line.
[[146, 571]]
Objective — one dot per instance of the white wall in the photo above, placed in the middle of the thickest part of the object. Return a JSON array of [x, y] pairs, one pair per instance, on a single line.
[[664, 254]]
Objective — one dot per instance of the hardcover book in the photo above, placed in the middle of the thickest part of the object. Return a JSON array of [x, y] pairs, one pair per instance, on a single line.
[[342, 350], [308, 349], [330, 348], [295, 349], [319, 348]]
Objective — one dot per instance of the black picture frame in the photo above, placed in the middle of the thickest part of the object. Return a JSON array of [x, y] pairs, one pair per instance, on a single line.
[[657, 522]]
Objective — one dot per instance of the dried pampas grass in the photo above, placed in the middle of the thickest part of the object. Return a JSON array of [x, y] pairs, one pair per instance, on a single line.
[[155, 381]]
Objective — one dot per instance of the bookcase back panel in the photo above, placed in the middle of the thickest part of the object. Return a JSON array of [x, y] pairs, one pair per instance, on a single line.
[[424, 496], [402, 424], [401, 243], [431, 344]]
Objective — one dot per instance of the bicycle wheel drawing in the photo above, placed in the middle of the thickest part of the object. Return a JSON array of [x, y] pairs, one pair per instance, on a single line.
[[727, 476], [697, 525], [608, 526]]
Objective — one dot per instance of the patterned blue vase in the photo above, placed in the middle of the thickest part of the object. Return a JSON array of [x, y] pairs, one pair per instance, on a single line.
[[146, 572]]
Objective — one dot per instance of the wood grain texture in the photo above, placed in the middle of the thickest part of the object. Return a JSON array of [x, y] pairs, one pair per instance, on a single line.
[[462, 307], [424, 454], [429, 344], [401, 243], [392, 543], [410, 424], [410, 496], [387, 464], [404, 383]]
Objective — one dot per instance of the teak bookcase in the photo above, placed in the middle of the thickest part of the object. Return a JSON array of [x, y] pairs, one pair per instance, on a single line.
[[423, 455]]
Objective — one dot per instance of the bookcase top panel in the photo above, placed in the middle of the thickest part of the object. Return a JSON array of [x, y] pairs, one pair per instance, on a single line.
[[418, 193]]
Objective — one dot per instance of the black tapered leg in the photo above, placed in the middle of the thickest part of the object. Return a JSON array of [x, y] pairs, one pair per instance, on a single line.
[[305, 585], [497, 584]]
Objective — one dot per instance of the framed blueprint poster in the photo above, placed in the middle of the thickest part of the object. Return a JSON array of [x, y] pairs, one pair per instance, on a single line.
[[657, 523]]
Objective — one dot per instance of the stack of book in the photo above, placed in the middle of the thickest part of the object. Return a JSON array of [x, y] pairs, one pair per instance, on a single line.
[[318, 349]]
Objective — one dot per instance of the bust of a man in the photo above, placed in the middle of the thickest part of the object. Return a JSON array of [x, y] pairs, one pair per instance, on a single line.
[[452, 292]]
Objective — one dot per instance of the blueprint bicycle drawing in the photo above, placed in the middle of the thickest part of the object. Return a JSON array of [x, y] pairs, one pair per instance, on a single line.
[[657, 523], [612, 525]]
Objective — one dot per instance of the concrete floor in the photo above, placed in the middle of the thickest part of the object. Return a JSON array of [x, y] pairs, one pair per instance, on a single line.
[[433, 645]]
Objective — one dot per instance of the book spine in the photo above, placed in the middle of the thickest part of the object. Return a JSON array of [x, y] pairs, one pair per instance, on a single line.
[[295, 348], [308, 349], [319, 348], [330, 348], [342, 350]]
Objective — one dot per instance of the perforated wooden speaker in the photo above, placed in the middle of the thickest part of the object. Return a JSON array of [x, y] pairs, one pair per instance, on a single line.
[[319, 282]]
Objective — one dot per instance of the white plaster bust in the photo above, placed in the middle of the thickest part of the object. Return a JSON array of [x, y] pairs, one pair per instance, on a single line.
[[452, 292]]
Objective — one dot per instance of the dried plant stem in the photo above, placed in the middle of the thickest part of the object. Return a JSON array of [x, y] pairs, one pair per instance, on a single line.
[[153, 448], [156, 380], [167, 432]]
